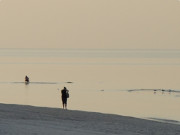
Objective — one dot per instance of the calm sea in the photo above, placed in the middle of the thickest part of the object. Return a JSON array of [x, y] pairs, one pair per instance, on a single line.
[[130, 82]]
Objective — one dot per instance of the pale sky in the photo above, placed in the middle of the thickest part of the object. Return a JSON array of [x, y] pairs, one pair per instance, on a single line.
[[122, 24]]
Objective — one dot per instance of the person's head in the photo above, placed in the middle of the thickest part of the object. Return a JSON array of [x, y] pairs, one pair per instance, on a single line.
[[65, 88]]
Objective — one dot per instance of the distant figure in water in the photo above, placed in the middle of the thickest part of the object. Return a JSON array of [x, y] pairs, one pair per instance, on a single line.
[[64, 96], [26, 79]]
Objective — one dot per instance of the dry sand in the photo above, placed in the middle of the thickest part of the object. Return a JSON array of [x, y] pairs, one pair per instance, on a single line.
[[29, 120]]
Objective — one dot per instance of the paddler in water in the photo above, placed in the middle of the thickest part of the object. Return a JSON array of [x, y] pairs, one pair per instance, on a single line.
[[26, 79]]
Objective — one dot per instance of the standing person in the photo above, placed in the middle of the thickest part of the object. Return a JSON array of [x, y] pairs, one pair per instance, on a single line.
[[64, 95]]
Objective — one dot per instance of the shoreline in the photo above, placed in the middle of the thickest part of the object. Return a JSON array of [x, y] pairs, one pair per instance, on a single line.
[[24, 119]]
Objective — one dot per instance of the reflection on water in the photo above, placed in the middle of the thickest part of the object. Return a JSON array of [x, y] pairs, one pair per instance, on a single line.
[[139, 83]]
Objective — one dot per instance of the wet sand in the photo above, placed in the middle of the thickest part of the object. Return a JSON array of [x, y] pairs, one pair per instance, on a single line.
[[21, 119]]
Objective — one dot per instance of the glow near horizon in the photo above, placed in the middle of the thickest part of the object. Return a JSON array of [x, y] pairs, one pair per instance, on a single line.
[[87, 24]]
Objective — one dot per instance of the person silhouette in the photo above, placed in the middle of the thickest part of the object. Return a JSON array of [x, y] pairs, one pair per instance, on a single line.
[[64, 96], [26, 79]]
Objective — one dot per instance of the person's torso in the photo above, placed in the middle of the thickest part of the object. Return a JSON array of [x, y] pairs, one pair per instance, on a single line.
[[64, 93]]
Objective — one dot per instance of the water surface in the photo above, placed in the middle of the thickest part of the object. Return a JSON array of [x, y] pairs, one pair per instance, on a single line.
[[109, 81]]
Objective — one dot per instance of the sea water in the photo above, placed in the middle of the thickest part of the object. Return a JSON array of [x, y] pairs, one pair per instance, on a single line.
[[131, 82]]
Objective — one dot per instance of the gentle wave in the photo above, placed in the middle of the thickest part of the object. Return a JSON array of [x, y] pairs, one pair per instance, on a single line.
[[34, 82]]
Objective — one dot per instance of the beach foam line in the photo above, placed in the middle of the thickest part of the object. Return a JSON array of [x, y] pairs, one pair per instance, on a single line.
[[165, 120], [162, 90], [23, 119]]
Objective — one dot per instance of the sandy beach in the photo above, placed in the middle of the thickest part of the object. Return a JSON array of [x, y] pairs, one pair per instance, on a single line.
[[25, 120]]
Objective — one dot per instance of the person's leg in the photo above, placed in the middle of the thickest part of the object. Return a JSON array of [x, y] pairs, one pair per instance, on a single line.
[[65, 103]]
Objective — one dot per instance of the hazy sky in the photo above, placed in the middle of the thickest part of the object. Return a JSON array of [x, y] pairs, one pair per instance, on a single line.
[[105, 24]]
